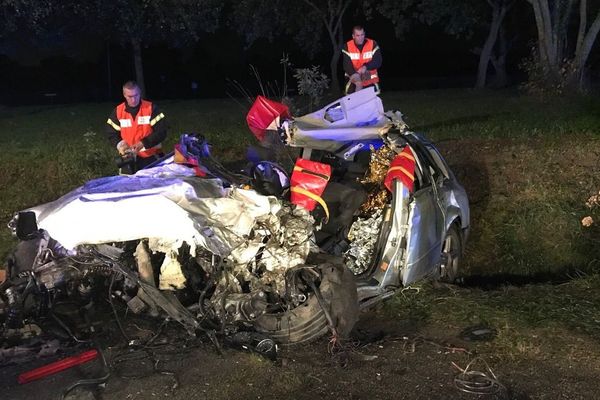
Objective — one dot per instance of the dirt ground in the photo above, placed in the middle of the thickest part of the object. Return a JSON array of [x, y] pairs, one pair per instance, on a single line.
[[395, 359]]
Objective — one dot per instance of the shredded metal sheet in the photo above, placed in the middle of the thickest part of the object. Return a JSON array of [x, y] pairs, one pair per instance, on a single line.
[[280, 242], [363, 236]]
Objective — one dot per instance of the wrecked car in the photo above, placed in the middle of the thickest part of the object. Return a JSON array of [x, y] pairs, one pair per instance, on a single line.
[[364, 207]]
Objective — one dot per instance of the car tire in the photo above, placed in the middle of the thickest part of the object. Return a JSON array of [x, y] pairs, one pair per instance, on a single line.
[[452, 250], [308, 322]]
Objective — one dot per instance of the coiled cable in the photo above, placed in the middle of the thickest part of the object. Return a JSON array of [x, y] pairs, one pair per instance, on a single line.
[[477, 382]]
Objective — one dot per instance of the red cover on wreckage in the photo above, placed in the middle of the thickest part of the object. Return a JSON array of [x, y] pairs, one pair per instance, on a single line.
[[403, 169], [265, 115], [308, 183]]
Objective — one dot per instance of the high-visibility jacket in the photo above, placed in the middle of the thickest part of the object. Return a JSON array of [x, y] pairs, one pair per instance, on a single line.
[[360, 58], [133, 130]]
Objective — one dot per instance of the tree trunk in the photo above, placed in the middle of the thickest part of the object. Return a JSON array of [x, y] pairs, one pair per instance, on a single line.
[[499, 61], [331, 16], [335, 59], [552, 34], [333, 65], [584, 50], [108, 72], [498, 13], [137, 62], [582, 25], [546, 48]]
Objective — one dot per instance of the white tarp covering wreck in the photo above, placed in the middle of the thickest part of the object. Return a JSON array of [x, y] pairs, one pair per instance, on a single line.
[[163, 203]]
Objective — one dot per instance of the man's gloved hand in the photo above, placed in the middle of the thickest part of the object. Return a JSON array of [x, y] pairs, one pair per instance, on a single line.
[[136, 148], [364, 73], [355, 78], [122, 147]]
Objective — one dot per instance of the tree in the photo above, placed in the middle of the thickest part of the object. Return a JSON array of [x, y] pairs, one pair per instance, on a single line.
[[331, 14], [456, 19], [499, 10], [31, 30], [28, 14], [137, 23], [303, 20], [461, 20], [562, 62]]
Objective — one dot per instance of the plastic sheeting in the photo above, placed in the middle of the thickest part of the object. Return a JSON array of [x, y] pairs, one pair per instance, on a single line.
[[170, 210], [355, 117]]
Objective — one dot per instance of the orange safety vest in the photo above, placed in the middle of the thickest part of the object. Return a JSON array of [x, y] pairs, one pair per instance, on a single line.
[[133, 130], [360, 58]]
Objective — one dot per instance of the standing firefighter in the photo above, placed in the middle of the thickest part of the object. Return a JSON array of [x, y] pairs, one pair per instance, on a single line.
[[362, 58], [136, 128]]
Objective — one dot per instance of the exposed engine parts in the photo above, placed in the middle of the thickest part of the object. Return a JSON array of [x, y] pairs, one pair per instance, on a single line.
[[14, 317], [231, 292], [243, 307]]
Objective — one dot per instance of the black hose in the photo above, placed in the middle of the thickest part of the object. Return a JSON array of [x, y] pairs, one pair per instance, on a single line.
[[93, 381], [110, 286], [66, 329]]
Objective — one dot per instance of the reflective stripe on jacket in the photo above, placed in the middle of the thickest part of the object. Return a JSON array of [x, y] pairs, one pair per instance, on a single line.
[[360, 58], [133, 130]]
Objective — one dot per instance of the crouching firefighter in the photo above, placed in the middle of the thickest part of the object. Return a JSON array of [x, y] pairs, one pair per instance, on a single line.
[[136, 128]]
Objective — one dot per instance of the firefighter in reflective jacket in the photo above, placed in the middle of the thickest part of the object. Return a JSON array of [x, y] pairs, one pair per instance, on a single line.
[[361, 59], [136, 128]]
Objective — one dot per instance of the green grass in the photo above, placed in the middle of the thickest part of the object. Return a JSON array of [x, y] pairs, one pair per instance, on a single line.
[[528, 165], [443, 114], [558, 313]]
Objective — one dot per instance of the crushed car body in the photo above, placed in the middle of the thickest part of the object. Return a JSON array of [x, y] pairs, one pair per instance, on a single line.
[[290, 253]]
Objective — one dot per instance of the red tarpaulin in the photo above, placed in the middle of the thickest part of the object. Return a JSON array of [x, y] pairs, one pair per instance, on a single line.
[[402, 168], [308, 182], [264, 115]]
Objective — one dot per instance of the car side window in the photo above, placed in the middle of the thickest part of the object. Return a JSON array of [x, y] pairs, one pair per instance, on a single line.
[[441, 165], [433, 171], [421, 179], [424, 173]]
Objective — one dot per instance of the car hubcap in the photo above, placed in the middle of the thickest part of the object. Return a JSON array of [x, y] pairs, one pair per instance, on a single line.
[[450, 258]]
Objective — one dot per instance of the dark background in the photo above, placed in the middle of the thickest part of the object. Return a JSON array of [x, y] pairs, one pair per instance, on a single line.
[[94, 69]]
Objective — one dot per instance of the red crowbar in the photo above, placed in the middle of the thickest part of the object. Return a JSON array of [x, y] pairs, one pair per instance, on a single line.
[[57, 366]]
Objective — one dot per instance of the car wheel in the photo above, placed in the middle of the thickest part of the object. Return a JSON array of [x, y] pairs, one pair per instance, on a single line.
[[451, 255], [308, 321]]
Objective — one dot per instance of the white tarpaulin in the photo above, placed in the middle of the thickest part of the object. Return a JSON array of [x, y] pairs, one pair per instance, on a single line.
[[172, 208]]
